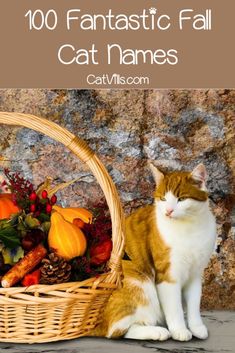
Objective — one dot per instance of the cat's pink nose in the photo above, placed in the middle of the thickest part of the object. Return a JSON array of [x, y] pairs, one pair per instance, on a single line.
[[169, 211]]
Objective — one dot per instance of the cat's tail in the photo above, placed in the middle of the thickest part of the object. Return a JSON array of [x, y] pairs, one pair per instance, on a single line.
[[98, 331], [114, 314], [102, 330], [107, 327]]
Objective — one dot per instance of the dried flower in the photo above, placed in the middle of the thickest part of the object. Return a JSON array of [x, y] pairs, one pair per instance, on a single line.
[[20, 188]]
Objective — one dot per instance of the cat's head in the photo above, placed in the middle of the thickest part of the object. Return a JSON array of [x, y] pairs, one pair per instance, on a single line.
[[180, 194]]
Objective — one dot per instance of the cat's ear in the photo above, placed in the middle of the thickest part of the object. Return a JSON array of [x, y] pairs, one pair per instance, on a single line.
[[199, 174], [158, 176]]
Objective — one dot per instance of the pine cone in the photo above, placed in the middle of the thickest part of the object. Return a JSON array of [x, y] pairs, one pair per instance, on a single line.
[[55, 270]]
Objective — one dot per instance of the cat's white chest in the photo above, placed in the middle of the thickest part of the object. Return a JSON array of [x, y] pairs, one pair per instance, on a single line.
[[191, 245]]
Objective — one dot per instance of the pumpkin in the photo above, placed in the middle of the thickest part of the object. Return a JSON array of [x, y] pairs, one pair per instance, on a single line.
[[71, 213], [65, 238], [7, 206]]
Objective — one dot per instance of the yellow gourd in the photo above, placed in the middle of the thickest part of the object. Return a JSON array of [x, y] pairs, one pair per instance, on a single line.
[[66, 239], [70, 213]]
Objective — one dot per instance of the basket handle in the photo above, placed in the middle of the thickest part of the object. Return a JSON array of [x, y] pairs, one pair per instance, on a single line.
[[85, 153]]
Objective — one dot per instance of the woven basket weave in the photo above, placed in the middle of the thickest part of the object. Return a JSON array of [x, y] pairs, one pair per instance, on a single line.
[[43, 313]]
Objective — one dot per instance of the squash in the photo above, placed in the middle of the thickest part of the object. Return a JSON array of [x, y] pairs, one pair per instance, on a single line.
[[65, 238], [7, 206], [70, 213]]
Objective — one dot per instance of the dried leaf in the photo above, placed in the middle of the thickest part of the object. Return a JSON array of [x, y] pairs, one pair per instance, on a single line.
[[31, 221], [46, 226], [51, 190], [61, 186]]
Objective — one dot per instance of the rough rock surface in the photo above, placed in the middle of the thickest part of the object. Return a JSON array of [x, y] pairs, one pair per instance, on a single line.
[[176, 129]]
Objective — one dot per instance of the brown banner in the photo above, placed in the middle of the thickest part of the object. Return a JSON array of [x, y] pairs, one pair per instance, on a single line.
[[122, 44]]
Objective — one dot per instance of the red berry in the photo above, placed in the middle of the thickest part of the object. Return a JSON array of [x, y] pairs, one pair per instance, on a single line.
[[48, 208], [32, 208], [78, 222], [44, 194], [33, 196], [53, 199]]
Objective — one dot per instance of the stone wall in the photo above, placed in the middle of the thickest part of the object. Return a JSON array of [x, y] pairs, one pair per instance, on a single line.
[[174, 128]]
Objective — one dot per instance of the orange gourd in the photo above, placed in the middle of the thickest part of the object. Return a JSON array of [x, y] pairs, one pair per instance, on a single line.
[[7, 206], [71, 213], [65, 238]]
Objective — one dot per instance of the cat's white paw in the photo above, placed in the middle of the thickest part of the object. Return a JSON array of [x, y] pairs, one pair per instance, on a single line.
[[160, 334], [181, 334], [155, 333], [199, 331]]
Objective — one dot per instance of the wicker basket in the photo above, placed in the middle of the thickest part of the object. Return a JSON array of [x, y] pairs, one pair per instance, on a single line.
[[43, 313]]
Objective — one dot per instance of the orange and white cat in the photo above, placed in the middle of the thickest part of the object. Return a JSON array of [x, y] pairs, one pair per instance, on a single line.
[[168, 245]]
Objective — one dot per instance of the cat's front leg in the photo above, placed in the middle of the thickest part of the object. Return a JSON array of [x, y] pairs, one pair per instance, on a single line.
[[192, 296], [171, 302]]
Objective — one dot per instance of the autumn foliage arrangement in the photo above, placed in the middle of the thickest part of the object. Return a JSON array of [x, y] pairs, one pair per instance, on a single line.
[[44, 243]]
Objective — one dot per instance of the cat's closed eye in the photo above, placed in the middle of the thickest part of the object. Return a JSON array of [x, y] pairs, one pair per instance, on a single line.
[[181, 199], [162, 198]]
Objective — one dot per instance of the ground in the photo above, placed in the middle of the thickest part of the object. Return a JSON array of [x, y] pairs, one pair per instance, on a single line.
[[221, 326]]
